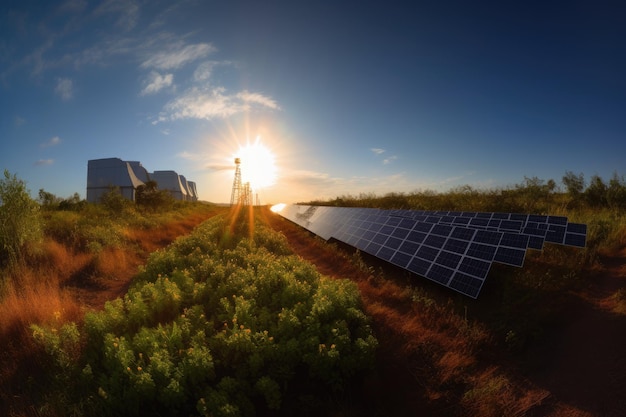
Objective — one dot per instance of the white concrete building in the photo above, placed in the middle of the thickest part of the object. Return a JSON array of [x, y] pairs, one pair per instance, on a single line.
[[102, 174], [170, 181], [192, 189]]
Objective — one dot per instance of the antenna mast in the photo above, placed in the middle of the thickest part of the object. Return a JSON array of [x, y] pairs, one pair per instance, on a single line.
[[235, 195]]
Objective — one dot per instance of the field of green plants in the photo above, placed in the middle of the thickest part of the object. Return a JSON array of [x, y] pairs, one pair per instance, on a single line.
[[218, 324]]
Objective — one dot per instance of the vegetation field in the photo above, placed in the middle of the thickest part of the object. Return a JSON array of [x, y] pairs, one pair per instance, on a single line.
[[192, 309]]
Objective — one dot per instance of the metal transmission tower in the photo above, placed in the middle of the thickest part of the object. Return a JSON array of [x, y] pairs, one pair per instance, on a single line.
[[245, 198], [235, 196]]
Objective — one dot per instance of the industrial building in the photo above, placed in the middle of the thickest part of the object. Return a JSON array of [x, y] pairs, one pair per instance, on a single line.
[[102, 174]]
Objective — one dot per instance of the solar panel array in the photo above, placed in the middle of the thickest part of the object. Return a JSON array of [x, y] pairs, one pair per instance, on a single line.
[[453, 248]]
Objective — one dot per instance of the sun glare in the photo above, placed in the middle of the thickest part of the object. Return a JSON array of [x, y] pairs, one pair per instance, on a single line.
[[277, 208], [257, 165]]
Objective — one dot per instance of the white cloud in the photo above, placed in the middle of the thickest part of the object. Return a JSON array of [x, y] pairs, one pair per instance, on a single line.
[[178, 56], [156, 82], [249, 97], [19, 121], [64, 88], [204, 71], [52, 142], [377, 151], [202, 104], [43, 162], [389, 160], [210, 103]]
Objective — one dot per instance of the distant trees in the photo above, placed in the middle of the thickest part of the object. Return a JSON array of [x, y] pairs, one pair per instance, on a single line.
[[597, 193], [574, 184], [50, 201]]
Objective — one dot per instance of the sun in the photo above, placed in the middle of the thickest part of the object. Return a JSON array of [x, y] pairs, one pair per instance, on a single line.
[[258, 165]]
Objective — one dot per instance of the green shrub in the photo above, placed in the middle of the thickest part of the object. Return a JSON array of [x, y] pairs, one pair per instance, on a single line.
[[223, 329], [20, 219]]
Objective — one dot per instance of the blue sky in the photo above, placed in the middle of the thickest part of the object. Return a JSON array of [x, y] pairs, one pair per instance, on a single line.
[[350, 97]]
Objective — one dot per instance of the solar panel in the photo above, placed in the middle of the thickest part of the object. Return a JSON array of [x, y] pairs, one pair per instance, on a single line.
[[455, 249]]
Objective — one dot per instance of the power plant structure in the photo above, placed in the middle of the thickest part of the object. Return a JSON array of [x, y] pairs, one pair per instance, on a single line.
[[127, 176], [241, 193]]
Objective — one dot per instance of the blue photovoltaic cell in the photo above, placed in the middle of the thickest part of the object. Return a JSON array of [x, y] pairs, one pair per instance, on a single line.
[[451, 260], [481, 251], [453, 248], [416, 236], [427, 253], [441, 230], [434, 241], [419, 266], [456, 245], [440, 274], [489, 237], [514, 240], [577, 228], [573, 239], [463, 233], [475, 267], [466, 284], [510, 256], [409, 247]]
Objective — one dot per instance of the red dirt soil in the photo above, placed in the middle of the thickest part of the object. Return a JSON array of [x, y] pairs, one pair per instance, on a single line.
[[580, 370]]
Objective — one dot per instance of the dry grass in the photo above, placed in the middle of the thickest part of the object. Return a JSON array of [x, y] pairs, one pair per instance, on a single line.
[[56, 284]]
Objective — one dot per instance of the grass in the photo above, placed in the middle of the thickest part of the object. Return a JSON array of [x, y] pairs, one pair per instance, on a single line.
[[84, 259]]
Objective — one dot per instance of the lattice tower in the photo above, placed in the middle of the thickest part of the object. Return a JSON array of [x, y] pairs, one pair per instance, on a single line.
[[235, 195]]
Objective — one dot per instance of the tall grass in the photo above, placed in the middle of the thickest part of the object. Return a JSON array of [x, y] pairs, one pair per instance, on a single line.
[[78, 259]]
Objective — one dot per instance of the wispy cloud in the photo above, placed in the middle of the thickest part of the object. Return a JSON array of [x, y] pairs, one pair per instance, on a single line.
[[178, 56], [257, 98], [210, 103], [204, 71], [19, 121], [389, 160], [51, 142], [156, 82], [64, 88], [220, 167], [43, 162]]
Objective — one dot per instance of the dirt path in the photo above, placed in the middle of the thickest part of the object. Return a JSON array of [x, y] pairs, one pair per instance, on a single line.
[[394, 389], [585, 362], [110, 274]]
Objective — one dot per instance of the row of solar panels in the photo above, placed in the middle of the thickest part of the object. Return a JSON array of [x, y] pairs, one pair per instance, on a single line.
[[455, 249]]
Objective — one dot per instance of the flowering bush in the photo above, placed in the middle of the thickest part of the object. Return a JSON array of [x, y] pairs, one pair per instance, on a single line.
[[223, 326]]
